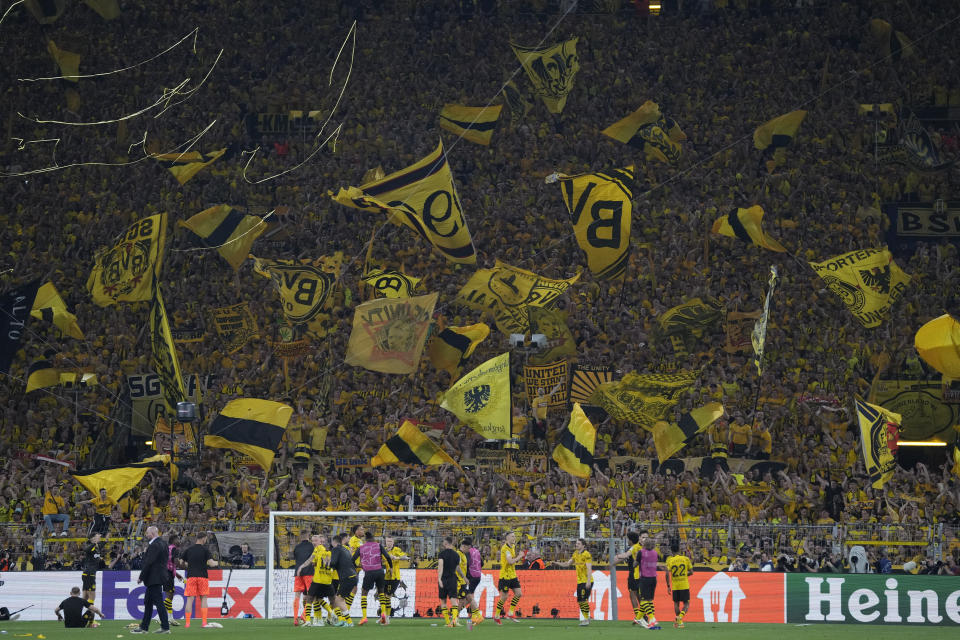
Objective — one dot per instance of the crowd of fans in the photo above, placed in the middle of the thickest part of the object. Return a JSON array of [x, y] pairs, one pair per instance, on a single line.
[[720, 71]]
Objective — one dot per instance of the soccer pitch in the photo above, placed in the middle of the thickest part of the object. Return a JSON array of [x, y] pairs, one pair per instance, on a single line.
[[532, 629]]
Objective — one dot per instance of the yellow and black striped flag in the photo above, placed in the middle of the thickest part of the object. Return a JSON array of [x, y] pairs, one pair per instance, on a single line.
[[450, 348], [116, 480], [410, 446], [185, 165], [574, 451], [68, 61], [475, 124], [49, 306], [228, 231], [252, 427], [778, 132], [745, 224], [42, 374], [650, 131], [670, 438], [165, 361], [879, 434]]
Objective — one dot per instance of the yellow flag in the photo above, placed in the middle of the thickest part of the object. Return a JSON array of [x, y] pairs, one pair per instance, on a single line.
[[304, 286], [228, 231], [126, 271], [778, 132], [938, 343], [68, 61], [165, 361], [601, 210], [422, 197], [388, 334], [868, 282], [481, 398], [251, 426], [388, 283], [879, 433], [643, 399], [451, 347], [120, 479], [42, 374], [574, 450], [410, 446], [551, 70], [49, 306], [475, 124], [185, 165], [746, 225], [236, 325], [650, 131], [508, 291], [892, 43], [670, 438]]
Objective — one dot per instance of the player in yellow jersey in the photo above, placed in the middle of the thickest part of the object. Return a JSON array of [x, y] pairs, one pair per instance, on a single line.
[[321, 585], [392, 578], [509, 559], [583, 563], [633, 573], [462, 593], [678, 573], [355, 541]]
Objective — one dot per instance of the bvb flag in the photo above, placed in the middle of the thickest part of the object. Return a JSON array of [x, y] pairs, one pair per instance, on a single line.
[[938, 343], [746, 225], [601, 210], [481, 399], [647, 129], [759, 335], [475, 124], [303, 285], [517, 102], [552, 323], [15, 313], [868, 282], [388, 334], [165, 362], [551, 70], [643, 399], [68, 61], [388, 283], [422, 197], [235, 325], [574, 451], [450, 348], [185, 165], [410, 446], [228, 231], [126, 271], [49, 306], [670, 438], [690, 317], [117, 480], [879, 433], [252, 427]]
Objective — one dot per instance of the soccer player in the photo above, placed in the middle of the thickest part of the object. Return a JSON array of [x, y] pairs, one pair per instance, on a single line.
[[173, 554], [449, 575], [91, 564], [648, 581], [197, 558], [321, 584], [371, 555], [462, 594], [341, 561], [508, 579], [633, 573], [302, 577], [71, 611], [677, 574], [355, 541], [474, 571], [392, 578], [583, 563]]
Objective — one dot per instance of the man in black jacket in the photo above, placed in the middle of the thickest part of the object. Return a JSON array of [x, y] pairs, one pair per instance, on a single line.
[[153, 574]]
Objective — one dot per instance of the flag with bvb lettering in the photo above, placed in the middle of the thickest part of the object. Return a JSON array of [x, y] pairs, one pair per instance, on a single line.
[[551, 70], [389, 283], [879, 433], [410, 446], [126, 271], [868, 281], [481, 399], [228, 231], [575, 446], [388, 334], [475, 124], [304, 286], [252, 427]]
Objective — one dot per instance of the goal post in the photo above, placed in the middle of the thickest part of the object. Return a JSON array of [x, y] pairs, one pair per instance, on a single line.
[[419, 534]]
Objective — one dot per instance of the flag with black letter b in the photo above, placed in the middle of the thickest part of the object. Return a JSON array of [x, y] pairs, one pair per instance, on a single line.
[[388, 283], [125, 272], [304, 286]]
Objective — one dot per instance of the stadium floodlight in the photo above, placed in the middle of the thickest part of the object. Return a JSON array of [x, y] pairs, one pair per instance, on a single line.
[[419, 534]]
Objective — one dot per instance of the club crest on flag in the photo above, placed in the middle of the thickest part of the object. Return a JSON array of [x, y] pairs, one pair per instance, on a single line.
[[303, 287], [476, 398]]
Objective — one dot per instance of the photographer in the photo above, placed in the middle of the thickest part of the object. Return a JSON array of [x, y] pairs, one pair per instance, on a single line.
[[245, 559]]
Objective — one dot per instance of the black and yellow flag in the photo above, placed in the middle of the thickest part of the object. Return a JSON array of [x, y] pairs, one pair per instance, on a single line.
[[252, 427], [650, 131], [746, 225], [304, 286], [893, 44], [690, 317], [228, 231], [574, 450], [108, 9], [643, 399], [389, 283], [481, 399], [584, 380], [126, 271], [475, 124], [49, 306], [517, 102], [410, 446], [42, 374], [879, 434], [508, 292], [778, 132], [938, 343], [449, 349], [185, 165], [759, 336], [68, 61], [551, 70], [868, 282], [388, 334], [119, 479], [422, 197], [45, 11], [552, 324], [601, 209], [670, 438], [165, 362], [235, 325]]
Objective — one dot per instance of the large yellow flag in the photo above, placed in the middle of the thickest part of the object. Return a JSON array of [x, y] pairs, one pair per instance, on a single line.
[[125, 272], [120, 479], [389, 283], [410, 446], [42, 374], [938, 343], [422, 197], [475, 124], [759, 335], [450, 348], [304, 285], [388, 334], [49, 306], [778, 132], [746, 225], [601, 208], [575, 447], [508, 291], [165, 361], [551, 70], [228, 231], [68, 61], [643, 399], [251, 426], [650, 131], [669, 438], [185, 165], [879, 433], [868, 282], [481, 398], [552, 324]]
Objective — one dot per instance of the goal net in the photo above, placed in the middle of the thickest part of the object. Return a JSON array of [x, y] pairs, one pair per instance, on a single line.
[[419, 534]]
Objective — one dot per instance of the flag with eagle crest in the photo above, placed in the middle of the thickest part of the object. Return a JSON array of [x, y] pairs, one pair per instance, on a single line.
[[481, 398], [868, 281]]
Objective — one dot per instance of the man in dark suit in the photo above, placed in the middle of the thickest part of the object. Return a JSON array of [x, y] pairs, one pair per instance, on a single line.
[[153, 575]]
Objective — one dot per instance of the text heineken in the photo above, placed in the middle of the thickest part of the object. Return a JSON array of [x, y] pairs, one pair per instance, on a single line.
[[877, 599]]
